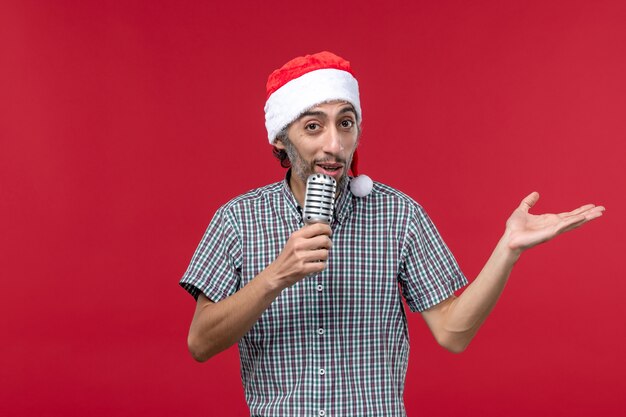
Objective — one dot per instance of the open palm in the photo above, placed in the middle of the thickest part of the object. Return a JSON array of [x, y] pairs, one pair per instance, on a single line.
[[527, 230]]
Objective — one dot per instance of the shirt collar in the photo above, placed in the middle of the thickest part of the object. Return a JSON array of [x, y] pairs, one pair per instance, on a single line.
[[291, 205], [343, 203]]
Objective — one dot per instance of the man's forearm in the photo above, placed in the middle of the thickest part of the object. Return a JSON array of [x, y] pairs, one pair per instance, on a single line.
[[455, 321], [217, 326], [462, 316]]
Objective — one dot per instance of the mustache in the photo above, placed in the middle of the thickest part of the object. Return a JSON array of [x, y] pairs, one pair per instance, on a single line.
[[341, 161]]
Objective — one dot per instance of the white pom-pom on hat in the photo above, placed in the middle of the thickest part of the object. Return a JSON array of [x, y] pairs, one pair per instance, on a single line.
[[361, 186]]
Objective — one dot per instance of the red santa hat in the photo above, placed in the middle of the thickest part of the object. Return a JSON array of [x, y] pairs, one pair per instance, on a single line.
[[305, 82]]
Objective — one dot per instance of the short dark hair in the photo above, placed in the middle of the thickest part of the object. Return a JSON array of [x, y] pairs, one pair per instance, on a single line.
[[281, 154]]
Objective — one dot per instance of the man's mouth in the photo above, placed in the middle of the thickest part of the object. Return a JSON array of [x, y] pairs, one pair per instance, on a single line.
[[330, 167]]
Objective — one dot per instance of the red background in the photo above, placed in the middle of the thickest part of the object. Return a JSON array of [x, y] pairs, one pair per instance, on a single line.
[[124, 125]]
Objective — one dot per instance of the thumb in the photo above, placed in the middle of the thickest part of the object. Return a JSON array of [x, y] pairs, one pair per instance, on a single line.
[[529, 201]]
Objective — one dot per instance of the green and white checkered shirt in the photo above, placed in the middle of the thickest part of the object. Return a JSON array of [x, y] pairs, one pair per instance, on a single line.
[[336, 343]]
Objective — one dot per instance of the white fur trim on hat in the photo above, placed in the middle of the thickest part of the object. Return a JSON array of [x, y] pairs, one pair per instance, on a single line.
[[298, 95]]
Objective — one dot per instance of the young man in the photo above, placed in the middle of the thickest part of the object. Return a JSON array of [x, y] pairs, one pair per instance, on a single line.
[[330, 338]]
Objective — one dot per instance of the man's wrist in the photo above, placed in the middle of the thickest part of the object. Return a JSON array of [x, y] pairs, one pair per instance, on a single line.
[[510, 254], [270, 282]]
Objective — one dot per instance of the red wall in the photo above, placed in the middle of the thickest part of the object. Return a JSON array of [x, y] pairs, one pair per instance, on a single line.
[[124, 125]]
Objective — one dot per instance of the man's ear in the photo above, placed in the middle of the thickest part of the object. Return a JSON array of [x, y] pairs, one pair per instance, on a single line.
[[279, 144]]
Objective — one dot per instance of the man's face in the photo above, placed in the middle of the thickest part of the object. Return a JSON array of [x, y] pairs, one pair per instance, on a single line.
[[323, 141]]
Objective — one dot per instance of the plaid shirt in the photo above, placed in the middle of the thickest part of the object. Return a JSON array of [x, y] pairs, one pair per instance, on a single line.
[[335, 343]]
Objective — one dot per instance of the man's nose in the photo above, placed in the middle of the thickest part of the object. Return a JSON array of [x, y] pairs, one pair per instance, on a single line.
[[332, 141]]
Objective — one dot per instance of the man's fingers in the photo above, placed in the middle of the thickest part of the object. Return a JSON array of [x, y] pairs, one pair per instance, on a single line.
[[578, 220], [317, 255], [594, 212], [529, 201], [571, 223], [320, 242], [314, 267], [588, 211], [316, 242], [579, 210], [310, 230]]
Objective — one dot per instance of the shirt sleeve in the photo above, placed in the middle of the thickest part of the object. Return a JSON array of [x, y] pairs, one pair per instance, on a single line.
[[429, 274], [214, 269]]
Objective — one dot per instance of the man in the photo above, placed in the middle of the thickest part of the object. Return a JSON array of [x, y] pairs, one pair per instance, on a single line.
[[317, 309]]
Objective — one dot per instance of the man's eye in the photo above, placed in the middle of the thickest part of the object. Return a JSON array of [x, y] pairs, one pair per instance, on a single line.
[[347, 123], [312, 126]]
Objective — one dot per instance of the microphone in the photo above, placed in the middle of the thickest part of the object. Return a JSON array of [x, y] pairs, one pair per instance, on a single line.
[[319, 199]]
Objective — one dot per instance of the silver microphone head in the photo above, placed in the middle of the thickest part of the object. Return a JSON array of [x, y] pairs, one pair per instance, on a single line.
[[319, 199]]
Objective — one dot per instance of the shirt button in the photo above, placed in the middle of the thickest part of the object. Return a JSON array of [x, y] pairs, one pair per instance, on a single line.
[[320, 287], [322, 413], [320, 331], [322, 371]]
